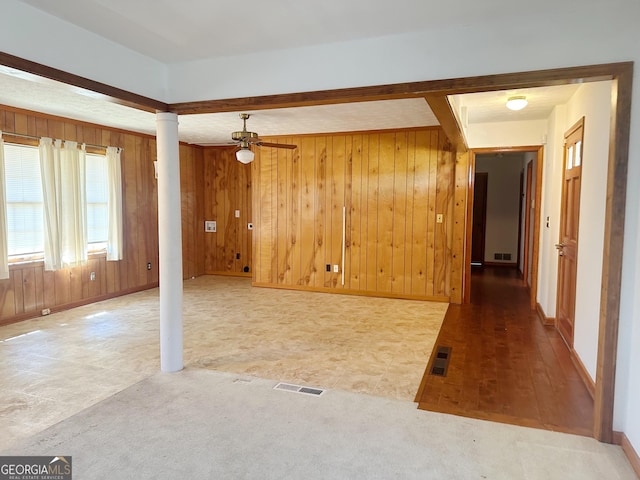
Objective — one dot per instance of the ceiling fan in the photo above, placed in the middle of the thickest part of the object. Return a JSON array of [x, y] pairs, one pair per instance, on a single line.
[[245, 139]]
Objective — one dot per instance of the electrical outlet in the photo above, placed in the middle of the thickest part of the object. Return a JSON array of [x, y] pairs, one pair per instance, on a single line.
[[237, 213], [148, 265], [439, 218], [238, 256], [46, 311], [328, 267], [210, 226], [92, 276]]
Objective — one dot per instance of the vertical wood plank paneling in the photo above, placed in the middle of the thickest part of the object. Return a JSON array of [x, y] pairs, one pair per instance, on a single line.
[[422, 244], [320, 258], [308, 245], [443, 196], [49, 283], [75, 283], [385, 213], [458, 261], [372, 213], [21, 123], [266, 218], [411, 172], [283, 183], [338, 172], [39, 286], [62, 279], [37, 289], [392, 183], [356, 215], [348, 201], [18, 292], [7, 297], [29, 292], [294, 215], [398, 273], [431, 214]]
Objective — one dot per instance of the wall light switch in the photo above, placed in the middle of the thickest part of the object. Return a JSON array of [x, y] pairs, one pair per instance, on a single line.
[[336, 268], [439, 218], [237, 213]]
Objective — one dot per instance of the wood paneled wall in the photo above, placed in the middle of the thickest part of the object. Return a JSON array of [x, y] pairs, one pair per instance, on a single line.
[[31, 289], [227, 188], [393, 185]]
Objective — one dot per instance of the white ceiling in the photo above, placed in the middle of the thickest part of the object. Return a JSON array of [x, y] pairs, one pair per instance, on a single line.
[[169, 32], [489, 107], [174, 31]]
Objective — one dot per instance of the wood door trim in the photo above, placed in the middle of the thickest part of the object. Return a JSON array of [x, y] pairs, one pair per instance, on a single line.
[[527, 222]]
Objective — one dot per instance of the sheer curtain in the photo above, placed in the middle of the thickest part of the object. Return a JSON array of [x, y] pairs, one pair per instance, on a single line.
[[4, 249], [63, 173], [114, 179]]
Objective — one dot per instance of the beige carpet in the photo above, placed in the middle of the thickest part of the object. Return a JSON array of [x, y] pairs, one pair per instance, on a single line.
[[201, 424], [53, 367]]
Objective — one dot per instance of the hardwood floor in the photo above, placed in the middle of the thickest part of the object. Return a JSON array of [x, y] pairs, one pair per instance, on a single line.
[[505, 366]]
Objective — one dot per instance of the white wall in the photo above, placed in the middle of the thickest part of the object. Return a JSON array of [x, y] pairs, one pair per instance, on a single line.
[[506, 134], [503, 189], [550, 210], [32, 34], [593, 101]]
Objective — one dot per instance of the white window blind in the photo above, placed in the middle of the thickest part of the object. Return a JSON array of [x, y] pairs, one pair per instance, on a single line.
[[25, 216], [24, 200], [97, 201]]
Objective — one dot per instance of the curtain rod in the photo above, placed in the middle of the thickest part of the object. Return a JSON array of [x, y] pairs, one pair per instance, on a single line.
[[33, 137]]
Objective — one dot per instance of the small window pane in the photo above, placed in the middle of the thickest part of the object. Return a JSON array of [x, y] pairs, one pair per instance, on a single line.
[[578, 159], [570, 158]]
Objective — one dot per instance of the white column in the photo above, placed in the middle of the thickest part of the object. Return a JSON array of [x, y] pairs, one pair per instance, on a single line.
[[169, 242]]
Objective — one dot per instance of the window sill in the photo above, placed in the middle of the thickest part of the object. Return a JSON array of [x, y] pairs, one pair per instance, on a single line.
[[37, 261]]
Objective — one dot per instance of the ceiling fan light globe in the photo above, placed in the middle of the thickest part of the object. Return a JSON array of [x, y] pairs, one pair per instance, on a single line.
[[244, 155]]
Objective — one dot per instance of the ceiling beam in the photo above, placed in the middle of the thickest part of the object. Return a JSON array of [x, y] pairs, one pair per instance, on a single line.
[[441, 108], [42, 73], [484, 83]]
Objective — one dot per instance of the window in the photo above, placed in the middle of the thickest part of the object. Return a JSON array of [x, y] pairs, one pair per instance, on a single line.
[[97, 202], [25, 207], [24, 201]]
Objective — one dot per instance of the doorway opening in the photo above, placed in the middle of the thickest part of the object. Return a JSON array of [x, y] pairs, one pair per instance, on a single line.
[[506, 211]]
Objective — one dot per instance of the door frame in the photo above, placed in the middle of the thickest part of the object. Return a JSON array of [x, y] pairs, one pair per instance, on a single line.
[[535, 252], [527, 223]]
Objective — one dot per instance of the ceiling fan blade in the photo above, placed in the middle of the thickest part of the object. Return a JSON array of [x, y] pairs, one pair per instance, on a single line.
[[276, 145]]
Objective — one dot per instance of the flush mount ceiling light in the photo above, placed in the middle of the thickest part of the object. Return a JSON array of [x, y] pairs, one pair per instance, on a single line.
[[244, 155], [517, 103]]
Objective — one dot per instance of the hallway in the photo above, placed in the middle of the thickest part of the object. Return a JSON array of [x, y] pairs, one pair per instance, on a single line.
[[505, 366]]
